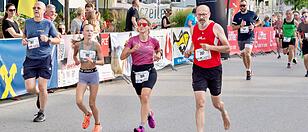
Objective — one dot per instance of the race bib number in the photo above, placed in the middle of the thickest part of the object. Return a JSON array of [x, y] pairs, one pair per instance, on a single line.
[[33, 43], [244, 29], [286, 39], [202, 54], [142, 76], [87, 54], [306, 35]]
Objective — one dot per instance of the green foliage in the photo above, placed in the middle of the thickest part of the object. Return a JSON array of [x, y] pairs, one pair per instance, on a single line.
[[106, 14], [180, 17], [120, 25], [297, 4]]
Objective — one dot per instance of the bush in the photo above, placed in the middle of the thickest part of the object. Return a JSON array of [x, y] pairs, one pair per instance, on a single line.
[[180, 17]]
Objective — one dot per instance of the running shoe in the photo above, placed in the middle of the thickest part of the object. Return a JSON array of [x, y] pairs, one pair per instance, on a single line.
[[151, 120], [38, 101], [248, 75], [289, 65], [306, 75], [294, 61], [40, 117], [139, 129], [97, 128], [86, 120]]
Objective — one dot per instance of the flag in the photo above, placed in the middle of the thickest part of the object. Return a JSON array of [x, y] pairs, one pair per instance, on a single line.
[[25, 7]]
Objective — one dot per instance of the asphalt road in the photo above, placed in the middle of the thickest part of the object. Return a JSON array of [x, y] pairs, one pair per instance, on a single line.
[[275, 100]]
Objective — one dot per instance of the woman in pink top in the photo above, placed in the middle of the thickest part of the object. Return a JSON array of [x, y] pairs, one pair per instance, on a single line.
[[144, 51]]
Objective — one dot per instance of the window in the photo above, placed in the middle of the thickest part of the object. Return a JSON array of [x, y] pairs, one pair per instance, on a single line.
[[175, 0]]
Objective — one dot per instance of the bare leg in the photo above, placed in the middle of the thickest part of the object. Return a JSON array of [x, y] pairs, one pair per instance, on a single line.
[[80, 90], [145, 104], [218, 104], [291, 53], [244, 59], [248, 57], [92, 102], [30, 85], [42, 85], [306, 61], [200, 108]]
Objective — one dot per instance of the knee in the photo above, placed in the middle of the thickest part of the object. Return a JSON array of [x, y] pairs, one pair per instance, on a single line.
[[218, 105], [79, 102], [200, 104], [144, 99]]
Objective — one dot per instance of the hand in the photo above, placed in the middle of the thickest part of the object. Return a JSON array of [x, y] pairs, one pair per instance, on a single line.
[[174, 23], [157, 57], [205, 46], [90, 60], [24, 41], [136, 47], [77, 62], [243, 23], [44, 38], [187, 53], [251, 26]]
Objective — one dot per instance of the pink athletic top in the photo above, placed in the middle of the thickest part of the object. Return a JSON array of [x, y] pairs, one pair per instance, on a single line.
[[145, 53]]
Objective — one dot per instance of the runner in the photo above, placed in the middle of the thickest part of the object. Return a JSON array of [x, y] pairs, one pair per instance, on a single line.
[[303, 35], [39, 34], [245, 21], [144, 51], [297, 48], [289, 34], [88, 51], [208, 40], [278, 33]]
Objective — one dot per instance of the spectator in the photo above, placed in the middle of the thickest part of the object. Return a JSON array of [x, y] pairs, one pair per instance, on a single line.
[[191, 19], [10, 27], [61, 29], [50, 13], [132, 16], [89, 7], [297, 16], [165, 23], [266, 22], [77, 22], [91, 18]]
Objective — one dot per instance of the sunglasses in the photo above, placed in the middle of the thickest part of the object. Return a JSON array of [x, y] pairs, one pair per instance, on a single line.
[[12, 10], [143, 24], [34, 8], [242, 5]]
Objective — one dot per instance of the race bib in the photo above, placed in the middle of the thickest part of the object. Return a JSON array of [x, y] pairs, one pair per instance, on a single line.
[[286, 39], [244, 29], [87, 54], [306, 35], [202, 54], [33, 43], [142, 76]]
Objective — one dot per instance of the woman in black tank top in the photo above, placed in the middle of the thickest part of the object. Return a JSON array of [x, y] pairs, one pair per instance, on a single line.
[[165, 23]]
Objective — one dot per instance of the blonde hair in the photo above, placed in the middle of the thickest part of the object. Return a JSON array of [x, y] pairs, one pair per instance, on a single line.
[[79, 11]]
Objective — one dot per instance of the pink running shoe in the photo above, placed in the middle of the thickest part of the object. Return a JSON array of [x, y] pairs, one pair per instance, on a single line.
[[139, 129]]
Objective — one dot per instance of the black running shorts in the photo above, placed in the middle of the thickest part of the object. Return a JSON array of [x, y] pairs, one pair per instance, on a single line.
[[204, 78]]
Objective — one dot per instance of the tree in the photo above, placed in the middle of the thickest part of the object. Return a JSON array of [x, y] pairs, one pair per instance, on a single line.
[[297, 4]]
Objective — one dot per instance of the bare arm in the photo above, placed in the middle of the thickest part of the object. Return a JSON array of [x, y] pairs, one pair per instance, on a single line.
[[125, 53], [55, 40], [220, 34], [134, 21], [100, 60], [235, 27], [13, 33]]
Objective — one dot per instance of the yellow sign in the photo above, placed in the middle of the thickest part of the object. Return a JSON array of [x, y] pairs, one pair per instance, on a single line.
[[8, 77]]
